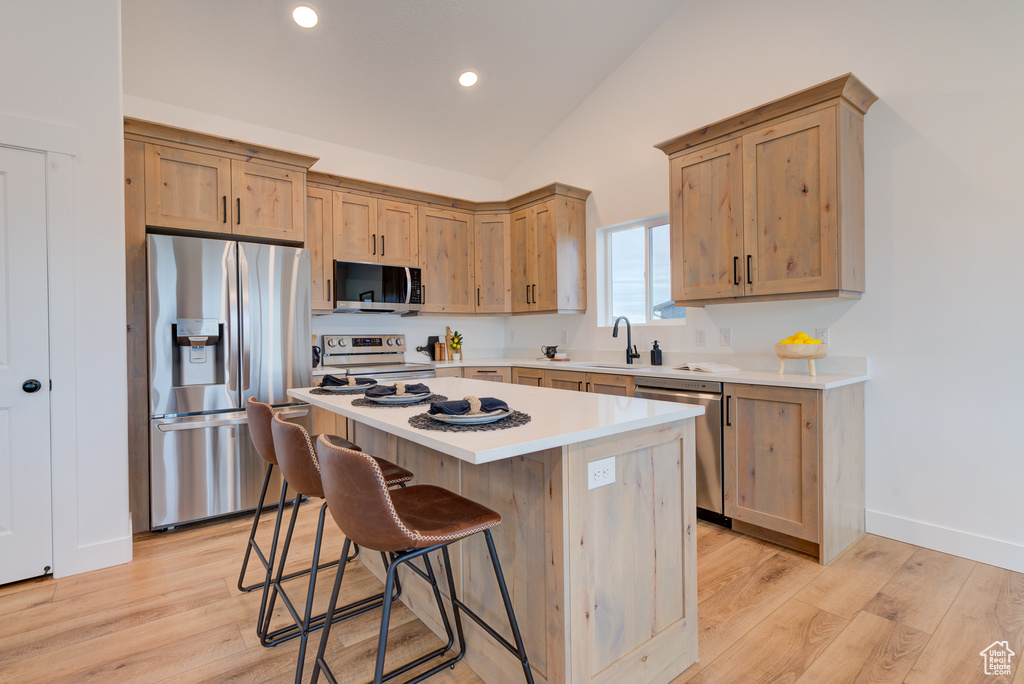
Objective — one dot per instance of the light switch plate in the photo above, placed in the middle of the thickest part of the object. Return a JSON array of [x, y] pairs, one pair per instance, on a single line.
[[564, 339], [702, 337], [601, 473], [725, 337]]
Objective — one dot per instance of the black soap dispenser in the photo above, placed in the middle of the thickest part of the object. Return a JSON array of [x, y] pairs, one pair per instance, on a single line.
[[656, 355]]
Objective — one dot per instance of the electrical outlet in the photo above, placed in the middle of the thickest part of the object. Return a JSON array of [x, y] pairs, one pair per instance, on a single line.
[[565, 337], [601, 473], [725, 337], [821, 334], [702, 337]]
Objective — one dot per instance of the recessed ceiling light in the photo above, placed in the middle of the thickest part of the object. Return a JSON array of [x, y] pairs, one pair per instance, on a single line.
[[305, 16], [468, 78]]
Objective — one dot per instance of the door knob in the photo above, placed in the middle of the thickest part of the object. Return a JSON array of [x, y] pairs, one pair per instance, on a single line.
[[31, 386]]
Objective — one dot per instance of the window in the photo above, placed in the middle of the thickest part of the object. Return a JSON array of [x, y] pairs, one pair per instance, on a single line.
[[634, 261]]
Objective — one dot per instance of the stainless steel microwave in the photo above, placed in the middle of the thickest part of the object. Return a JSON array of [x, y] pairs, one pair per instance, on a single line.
[[376, 288]]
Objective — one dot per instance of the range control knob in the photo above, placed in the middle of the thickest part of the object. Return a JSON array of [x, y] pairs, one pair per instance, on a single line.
[[342, 342], [391, 341], [399, 341], [331, 342]]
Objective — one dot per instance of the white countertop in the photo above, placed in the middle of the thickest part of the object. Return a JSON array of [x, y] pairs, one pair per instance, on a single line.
[[559, 417], [798, 378]]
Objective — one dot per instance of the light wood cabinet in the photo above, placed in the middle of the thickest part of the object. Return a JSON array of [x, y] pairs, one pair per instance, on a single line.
[[769, 204], [397, 230], [567, 380], [320, 243], [599, 383], [606, 383], [528, 376], [371, 229], [793, 465], [493, 263], [447, 257], [193, 190], [548, 241], [448, 372], [489, 373]]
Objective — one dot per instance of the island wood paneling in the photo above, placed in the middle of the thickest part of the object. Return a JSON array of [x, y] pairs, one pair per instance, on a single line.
[[632, 557]]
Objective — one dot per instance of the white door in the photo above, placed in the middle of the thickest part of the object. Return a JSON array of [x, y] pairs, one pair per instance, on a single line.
[[26, 549]]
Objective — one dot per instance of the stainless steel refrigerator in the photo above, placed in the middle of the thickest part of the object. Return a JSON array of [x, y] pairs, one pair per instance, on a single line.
[[227, 321]]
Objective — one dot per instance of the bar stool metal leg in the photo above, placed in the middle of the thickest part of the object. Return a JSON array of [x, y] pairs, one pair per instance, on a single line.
[[252, 545]]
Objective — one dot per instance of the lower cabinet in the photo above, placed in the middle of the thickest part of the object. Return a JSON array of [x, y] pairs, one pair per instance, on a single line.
[[599, 383], [490, 373], [794, 465], [528, 376], [450, 372]]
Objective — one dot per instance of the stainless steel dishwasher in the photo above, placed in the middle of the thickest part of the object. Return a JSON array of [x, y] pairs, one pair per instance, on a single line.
[[708, 428]]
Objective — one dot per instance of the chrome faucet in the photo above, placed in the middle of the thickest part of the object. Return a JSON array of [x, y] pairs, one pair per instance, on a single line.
[[631, 352]]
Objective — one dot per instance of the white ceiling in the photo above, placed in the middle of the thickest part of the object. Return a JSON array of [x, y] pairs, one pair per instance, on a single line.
[[381, 75]]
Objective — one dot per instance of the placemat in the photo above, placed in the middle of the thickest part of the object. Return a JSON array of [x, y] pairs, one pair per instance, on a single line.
[[424, 421], [328, 393], [363, 401]]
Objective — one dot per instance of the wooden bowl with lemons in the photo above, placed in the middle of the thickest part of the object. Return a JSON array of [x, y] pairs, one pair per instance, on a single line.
[[800, 346]]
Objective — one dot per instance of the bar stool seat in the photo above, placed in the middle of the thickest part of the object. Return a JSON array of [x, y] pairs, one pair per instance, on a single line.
[[440, 516], [408, 524]]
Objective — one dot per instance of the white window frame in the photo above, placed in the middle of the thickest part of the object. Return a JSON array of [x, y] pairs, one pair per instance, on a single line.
[[604, 266]]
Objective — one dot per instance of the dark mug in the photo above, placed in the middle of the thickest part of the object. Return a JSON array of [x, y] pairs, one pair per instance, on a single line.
[[550, 351], [316, 356]]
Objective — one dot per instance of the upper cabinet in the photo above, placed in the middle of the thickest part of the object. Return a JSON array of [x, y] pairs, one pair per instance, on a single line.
[[202, 183], [320, 243], [447, 255], [549, 253], [769, 204], [493, 262], [372, 229]]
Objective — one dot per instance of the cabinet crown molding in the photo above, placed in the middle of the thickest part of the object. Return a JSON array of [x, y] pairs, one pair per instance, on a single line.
[[847, 88], [152, 132]]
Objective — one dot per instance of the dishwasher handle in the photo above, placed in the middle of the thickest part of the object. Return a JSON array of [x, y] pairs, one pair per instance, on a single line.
[[679, 396]]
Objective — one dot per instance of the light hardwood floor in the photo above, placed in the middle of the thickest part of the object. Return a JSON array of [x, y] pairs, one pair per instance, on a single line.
[[882, 612]]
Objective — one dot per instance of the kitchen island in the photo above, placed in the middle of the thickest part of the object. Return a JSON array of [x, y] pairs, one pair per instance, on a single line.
[[603, 579]]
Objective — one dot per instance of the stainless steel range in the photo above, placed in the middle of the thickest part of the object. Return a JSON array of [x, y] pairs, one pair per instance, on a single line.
[[381, 357]]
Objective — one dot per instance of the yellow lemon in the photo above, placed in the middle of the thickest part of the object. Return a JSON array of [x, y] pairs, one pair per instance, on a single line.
[[813, 341], [801, 336]]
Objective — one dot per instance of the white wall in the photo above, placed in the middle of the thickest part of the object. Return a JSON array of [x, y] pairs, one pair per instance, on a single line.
[[335, 159], [941, 320], [66, 70]]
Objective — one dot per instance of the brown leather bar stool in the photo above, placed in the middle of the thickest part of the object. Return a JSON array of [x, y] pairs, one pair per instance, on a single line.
[[298, 462], [259, 416], [408, 524]]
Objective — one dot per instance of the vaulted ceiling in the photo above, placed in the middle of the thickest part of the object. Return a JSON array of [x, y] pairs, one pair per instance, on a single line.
[[381, 75]]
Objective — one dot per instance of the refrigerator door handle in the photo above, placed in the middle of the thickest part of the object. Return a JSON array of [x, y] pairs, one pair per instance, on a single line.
[[245, 320], [230, 275], [203, 425]]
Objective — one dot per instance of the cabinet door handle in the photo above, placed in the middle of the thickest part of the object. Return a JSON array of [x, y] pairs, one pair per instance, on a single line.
[[423, 294], [225, 204], [749, 281], [478, 296], [728, 419], [375, 244], [527, 294], [238, 210], [735, 270], [588, 386], [535, 293], [330, 296], [382, 245]]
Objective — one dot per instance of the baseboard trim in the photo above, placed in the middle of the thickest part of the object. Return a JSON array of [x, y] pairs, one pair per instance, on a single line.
[[996, 552]]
